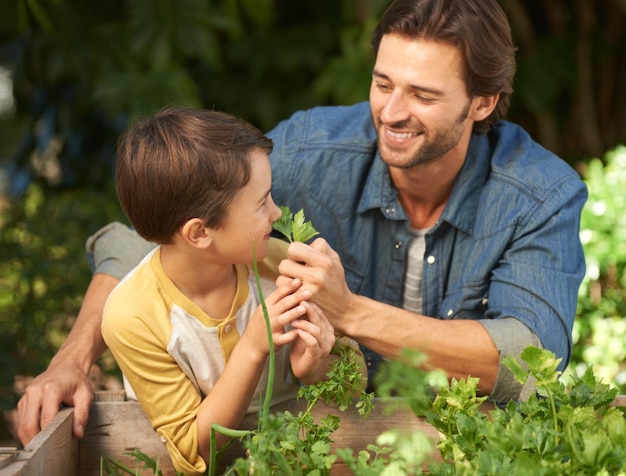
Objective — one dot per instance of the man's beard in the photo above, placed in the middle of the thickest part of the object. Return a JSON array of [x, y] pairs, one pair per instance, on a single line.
[[433, 148]]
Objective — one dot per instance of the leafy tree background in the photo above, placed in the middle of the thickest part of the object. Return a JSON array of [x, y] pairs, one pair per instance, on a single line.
[[82, 70]]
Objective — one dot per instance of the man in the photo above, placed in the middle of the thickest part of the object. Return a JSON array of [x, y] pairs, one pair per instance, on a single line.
[[445, 228]]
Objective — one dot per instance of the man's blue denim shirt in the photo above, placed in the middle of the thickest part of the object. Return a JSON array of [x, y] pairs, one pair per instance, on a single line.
[[506, 245]]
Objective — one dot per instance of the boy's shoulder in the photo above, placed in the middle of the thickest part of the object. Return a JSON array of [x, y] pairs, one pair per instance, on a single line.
[[133, 290]]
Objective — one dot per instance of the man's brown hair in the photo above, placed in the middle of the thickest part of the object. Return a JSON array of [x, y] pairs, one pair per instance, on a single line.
[[183, 163]]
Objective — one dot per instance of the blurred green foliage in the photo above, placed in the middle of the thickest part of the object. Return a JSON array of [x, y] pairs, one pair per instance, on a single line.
[[83, 70], [600, 329], [44, 274]]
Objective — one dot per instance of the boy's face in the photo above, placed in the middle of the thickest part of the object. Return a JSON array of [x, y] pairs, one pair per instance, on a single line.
[[250, 216]]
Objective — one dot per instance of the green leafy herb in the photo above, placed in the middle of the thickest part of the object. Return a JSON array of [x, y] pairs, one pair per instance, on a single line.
[[564, 428], [295, 444], [294, 227], [568, 427]]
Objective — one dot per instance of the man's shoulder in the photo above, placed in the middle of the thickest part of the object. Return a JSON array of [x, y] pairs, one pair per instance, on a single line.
[[518, 158], [342, 115], [336, 125]]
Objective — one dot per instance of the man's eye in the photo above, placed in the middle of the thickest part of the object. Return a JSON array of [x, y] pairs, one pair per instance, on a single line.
[[424, 99]]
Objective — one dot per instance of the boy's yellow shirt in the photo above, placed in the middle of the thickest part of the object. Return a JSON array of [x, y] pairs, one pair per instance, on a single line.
[[172, 353]]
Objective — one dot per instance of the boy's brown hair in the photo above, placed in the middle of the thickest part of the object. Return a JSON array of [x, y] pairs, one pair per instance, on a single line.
[[183, 163]]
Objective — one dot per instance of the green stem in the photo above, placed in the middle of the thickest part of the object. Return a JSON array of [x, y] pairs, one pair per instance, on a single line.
[[229, 431], [216, 427], [270, 380], [553, 408], [121, 466], [270, 377], [310, 406]]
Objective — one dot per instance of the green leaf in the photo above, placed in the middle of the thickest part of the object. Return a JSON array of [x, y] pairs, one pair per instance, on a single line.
[[284, 224], [542, 364], [294, 227], [302, 230], [520, 374]]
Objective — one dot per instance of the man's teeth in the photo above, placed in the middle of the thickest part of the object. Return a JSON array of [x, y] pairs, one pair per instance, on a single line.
[[401, 135]]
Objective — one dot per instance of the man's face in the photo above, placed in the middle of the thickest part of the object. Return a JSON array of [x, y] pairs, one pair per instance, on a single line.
[[419, 101]]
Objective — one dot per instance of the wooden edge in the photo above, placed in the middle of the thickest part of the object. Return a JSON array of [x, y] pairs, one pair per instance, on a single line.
[[109, 396], [7, 455], [118, 425], [620, 401], [52, 452], [115, 428]]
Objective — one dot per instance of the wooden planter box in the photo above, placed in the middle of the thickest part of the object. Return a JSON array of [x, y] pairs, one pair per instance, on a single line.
[[116, 426]]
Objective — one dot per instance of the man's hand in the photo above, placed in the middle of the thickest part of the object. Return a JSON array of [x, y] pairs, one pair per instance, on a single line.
[[61, 383], [319, 267], [66, 381]]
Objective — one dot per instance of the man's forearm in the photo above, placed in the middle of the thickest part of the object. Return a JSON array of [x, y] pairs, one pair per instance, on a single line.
[[461, 348], [84, 344]]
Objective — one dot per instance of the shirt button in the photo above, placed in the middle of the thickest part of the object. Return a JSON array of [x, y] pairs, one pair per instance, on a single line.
[[398, 245], [485, 301], [227, 328], [450, 312], [430, 259], [163, 439]]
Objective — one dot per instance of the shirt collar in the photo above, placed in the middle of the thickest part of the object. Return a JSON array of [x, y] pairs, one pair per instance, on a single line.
[[379, 192], [462, 205]]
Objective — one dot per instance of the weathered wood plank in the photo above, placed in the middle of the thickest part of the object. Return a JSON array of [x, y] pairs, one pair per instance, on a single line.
[[7, 455], [117, 427], [53, 452]]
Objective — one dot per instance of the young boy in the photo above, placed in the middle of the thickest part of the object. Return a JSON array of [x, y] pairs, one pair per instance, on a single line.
[[185, 326]]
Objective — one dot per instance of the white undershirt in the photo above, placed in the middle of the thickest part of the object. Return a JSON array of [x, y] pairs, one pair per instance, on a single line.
[[412, 299]]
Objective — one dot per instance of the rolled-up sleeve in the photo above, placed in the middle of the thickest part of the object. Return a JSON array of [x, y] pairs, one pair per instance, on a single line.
[[510, 337], [115, 249]]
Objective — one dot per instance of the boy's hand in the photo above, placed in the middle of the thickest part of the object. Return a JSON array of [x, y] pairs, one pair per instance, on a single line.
[[284, 306], [311, 349]]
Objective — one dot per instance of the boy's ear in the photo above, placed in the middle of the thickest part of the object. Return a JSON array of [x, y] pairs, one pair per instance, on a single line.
[[195, 233]]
